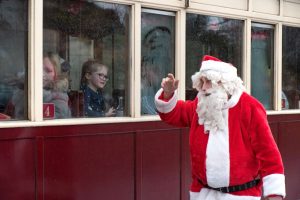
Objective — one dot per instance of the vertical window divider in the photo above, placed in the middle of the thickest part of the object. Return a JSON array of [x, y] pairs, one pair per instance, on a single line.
[[247, 62], [35, 55], [136, 52], [281, 8], [250, 5], [278, 66], [180, 51]]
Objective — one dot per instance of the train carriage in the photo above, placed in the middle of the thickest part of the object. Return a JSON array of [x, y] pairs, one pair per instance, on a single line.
[[77, 86]]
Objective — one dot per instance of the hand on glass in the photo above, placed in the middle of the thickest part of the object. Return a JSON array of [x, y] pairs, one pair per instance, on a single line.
[[169, 85], [111, 112]]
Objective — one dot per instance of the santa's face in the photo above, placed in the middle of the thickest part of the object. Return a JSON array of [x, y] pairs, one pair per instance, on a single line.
[[205, 85], [211, 101]]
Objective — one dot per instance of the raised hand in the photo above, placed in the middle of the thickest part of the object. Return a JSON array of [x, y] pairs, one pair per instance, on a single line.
[[169, 85], [111, 112]]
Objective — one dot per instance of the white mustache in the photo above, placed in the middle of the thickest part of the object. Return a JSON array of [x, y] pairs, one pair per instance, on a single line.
[[209, 108]]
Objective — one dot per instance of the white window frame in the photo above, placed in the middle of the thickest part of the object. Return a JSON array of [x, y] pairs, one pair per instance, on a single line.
[[276, 91], [35, 49]]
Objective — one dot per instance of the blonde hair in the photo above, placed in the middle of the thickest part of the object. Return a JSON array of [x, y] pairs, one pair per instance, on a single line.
[[61, 84], [89, 66], [61, 80], [54, 59]]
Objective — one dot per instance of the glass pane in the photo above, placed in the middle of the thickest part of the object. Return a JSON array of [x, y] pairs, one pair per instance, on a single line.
[[158, 54], [290, 68], [215, 36], [262, 65], [13, 59], [86, 59]]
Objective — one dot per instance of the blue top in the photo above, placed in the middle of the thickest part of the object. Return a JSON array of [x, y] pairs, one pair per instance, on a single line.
[[94, 105]]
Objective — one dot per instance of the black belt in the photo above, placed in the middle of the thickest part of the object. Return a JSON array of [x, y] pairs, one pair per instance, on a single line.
[[234, 188]]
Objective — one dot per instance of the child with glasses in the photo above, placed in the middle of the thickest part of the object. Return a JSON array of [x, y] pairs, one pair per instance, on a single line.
[[93, 80]]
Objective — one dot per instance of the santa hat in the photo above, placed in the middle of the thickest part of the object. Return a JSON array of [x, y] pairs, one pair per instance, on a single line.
[[218, 71]]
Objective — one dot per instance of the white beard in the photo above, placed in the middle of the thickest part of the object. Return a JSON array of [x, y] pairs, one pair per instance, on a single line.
[[209, 108]]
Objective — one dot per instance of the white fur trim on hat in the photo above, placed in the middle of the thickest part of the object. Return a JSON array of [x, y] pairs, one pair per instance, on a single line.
[[219, 71], [165, 106], [219, 66]]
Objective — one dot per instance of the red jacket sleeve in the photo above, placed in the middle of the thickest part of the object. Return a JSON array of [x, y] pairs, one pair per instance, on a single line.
[[175, 112], [266, 151]]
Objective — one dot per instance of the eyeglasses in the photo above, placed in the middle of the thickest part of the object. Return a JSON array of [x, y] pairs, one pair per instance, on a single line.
[[102, 76]]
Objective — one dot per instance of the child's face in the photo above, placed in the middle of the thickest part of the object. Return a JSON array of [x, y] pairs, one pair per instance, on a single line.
[[48, 71], [98, 79]]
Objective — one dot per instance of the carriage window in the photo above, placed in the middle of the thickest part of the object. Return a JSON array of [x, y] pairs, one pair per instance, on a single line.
[[13, 59], [291, 67], [86, 59], [158, 54], [216, 36], [262, 63]]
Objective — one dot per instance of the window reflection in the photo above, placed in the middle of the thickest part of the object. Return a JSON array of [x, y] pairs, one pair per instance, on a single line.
[[262, 63], [216, 36], [55, 87], [13, 59], [291, 67], [158, 53], [81, 31]]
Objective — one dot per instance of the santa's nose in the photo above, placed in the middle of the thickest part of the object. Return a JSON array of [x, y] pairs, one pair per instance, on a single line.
[[206, 86]]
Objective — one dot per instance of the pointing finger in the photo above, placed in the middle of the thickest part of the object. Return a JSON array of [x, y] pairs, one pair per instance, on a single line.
[[162, 82], [171, 76], [176, 83]]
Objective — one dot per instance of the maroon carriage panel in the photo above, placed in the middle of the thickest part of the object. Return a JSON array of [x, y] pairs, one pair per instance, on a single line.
[[89, 167], [17, 169], [289, 146], [158, 164], [100, 162]]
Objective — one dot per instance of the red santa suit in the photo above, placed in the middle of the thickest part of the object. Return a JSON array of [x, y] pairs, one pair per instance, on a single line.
[[242, 151]]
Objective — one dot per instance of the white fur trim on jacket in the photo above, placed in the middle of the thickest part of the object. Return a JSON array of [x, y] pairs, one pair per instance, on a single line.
[[209, 194], [274, 184], [165, 106], [217, 156], [234, 99]]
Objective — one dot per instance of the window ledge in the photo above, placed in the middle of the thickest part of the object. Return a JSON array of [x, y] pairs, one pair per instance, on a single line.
[[77, 121], [283, 112]]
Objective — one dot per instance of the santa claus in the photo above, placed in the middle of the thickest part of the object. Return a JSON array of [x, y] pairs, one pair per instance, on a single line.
[[234, 155]]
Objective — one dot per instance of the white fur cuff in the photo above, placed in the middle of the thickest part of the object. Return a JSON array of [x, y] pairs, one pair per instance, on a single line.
[[274, 184], [165, 106]]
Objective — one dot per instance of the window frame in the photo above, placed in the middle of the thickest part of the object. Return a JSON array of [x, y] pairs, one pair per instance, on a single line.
[[276, 90], [35, 46], [164, 13], [287, 111]]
